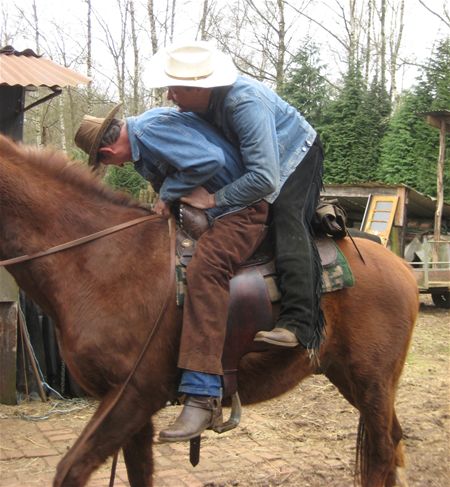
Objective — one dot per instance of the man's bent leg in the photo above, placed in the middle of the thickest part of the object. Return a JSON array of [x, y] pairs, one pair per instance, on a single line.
[[231, 240], [297, 259], [228, 243]]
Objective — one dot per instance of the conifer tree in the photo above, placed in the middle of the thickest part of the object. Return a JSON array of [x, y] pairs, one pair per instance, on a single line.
[[398, 148], [305, 86], [342, 131], [410, 148], [377, 110], [125, 179]]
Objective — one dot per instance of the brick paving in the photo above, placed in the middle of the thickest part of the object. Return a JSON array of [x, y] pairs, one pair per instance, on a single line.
[[31, 449]]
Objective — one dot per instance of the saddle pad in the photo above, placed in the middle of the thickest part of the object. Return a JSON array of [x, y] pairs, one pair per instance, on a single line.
[[336, 275]]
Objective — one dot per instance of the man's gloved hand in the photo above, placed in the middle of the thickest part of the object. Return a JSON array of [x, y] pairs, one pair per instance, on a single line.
[[200, 198], [162, 208]]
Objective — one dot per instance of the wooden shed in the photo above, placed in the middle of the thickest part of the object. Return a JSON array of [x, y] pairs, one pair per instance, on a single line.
[[21, 71], [404, 220]]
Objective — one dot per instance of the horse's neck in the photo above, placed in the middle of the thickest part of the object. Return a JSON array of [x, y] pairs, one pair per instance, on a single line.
[[37, 213]]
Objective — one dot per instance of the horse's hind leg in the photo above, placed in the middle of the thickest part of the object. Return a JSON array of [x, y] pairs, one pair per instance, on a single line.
[[95, 445], [376, 449], [378, 430], [138, 456], [382, 450]]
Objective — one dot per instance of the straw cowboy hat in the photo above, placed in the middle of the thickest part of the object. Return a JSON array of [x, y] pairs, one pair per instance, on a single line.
[[197, 64], [91, 132]]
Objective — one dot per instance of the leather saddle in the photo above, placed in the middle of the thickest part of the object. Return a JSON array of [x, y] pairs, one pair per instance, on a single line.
[[253, 291]]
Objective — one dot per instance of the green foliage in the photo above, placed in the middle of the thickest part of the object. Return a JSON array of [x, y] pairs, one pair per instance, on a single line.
[[437, 77], [305, 86], [410, 149], [399, 145], [377, 109], [77, 154], [354, 125], [125, 179]]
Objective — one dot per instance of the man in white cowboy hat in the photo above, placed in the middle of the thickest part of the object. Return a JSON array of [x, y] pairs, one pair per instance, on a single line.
[[283, 157], [178, 153]]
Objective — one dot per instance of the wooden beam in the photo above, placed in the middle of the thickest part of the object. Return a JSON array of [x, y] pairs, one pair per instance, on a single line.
[[440, 182], [8, 352], [436, 122], [9, 296], [9, 290]]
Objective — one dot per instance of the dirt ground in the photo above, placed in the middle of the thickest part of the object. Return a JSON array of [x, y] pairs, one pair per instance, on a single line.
[[305, 438]]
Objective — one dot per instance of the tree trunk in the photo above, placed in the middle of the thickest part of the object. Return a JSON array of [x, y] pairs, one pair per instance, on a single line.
[[136, 75], [202, 26], [89, 55], [152, 20]]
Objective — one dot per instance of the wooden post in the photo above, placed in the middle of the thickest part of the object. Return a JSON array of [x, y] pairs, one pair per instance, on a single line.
[[441, 120], [440, 181], [9, 308]]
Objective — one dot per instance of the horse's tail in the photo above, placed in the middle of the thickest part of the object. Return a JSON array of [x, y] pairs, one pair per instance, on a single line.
[[362, 455]]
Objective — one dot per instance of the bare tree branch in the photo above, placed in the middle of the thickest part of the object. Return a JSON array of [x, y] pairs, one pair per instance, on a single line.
[[446, 20], [314, 21]]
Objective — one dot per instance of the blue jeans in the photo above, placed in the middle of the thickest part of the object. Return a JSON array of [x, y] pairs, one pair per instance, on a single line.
[[200, 384]]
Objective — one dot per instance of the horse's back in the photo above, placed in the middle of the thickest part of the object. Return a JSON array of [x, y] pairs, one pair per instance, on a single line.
[[374, 319], [380, 273]]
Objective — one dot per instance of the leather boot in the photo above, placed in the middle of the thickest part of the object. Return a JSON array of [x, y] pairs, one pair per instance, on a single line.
[[279, 337], [199, 413]]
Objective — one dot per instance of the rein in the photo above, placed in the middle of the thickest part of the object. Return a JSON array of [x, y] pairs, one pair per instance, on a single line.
[[78, 241], [99, 421], [115, 399]]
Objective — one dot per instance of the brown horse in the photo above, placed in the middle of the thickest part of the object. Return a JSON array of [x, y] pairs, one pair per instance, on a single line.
[[106, 295]]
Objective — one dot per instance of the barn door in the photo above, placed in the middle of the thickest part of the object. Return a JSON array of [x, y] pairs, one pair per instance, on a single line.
[[379, 216]]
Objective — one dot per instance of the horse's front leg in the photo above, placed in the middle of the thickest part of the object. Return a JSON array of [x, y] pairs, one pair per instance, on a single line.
[[95, 445], [139, 458]]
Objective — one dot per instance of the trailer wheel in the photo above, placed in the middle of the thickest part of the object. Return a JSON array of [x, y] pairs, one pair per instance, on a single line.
[[441, 300]]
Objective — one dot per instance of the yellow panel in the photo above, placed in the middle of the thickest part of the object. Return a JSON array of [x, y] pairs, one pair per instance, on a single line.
[[380, 216]]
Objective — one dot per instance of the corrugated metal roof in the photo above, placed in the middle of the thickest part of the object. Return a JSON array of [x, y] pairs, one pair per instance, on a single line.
[[26, 68]]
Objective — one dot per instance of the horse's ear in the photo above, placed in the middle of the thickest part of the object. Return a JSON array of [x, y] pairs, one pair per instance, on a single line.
[[8, 147]]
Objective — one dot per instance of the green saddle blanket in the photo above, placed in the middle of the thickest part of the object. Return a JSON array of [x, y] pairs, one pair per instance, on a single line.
[[336, 272]]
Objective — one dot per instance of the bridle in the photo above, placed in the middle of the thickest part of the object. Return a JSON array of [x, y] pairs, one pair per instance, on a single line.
[[88, 238]]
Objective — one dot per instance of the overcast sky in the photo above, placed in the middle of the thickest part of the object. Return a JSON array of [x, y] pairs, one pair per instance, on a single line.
[[421, 29]]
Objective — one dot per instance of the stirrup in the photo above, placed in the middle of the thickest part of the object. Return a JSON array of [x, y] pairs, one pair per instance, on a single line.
[[222, 427], [235, 416]]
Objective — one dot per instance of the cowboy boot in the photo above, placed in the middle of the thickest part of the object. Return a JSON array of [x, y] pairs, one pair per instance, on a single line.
[[199, 413], [279, 337]]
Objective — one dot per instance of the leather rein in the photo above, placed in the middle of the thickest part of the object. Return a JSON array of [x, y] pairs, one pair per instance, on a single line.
[[78, 241], [90, 430]]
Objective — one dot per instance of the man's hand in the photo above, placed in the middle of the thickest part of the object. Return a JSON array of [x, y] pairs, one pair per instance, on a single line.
[[200, 198], [162, 208]]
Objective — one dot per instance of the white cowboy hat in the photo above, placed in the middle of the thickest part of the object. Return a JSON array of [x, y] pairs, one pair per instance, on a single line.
[[198, 64]]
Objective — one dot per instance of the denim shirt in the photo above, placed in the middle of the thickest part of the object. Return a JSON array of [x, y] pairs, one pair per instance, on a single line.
[[177, 152], [272, 136]]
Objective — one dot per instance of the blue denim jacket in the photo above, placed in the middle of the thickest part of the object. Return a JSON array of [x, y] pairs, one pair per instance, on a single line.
[[272, 136], [177, 152]]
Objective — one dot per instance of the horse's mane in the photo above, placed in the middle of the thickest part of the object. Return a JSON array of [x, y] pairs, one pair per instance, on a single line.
[[57, 165]]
